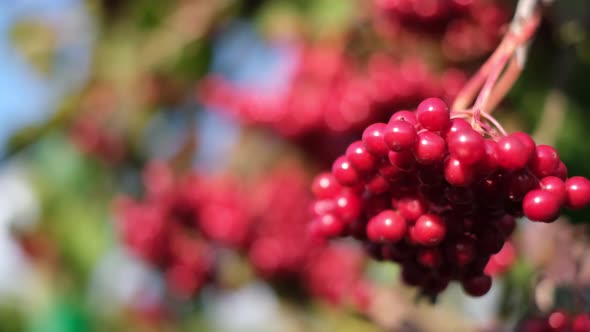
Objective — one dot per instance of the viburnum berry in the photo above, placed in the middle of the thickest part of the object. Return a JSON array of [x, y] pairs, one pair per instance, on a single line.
[[477, 285], [429, 148], [577, 192], [399, 135], [433, 114], [512, 153], [373, 139], [541, 205], [388, 226], [444, 206]]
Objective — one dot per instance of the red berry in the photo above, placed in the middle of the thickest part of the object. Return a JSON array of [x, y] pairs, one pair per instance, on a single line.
[[430, 257], [461, 252], [489, 161], [466, 145], [559, 321], [403, 160], [456, 125], [519, 184], [373, 139], [545, 161], [328, 225], [581, 323], [561, 171], [377, 184], [407, 116], [477, 285], [429, 230], [578, 192], [360, 158], [411, 208], [347, 206], [541, 205], [433, 114], [325, 186], [386, 227], [457, 173], [400, 135], [429, 148], [554, 185], [344, 173], [512, 153], [527, 141]]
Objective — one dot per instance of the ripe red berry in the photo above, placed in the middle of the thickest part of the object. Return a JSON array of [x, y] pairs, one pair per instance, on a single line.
[[411, 208], [527, 141], [429, 148], [386, 227], [512, 153], [407, 116], [373, 139], [559, 321], [458, 173], [581, 323], [462, 251], [347, 206], [578, 192], [466, 145], [554, 185], [400, 135], [488, 163], [477, 285], [325, 186], [545, 161], [403, 160], [429, 230], [541, 205], [455, 125], [344, 173], [433, 114], [561, 171], [430, 257], [327, 226], [360, 158]]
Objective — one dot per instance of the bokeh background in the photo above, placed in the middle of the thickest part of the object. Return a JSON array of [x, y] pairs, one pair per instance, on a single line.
[[96, 94]]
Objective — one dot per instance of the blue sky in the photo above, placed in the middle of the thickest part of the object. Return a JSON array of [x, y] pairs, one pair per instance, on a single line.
[[25, 96]]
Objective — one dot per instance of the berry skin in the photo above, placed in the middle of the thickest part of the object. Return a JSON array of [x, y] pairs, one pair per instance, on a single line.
[[399, 135], [561, 171], [466, 145], [581, 323], [545, 161], [554, 185], [461, 252], [488, 163], [512, 153], [477, 285], [411, 208], [527, 141], [541, 205], [429, 230], [406, 116], [404, 160], [373, 139], [344, 173], [347, 206], [430, 257], [429, 148], [457, 173], [386, 227], [327, 226], [456, 125], [325, 186], [433, 114], [360, 158], [577, 192], [559, 321]]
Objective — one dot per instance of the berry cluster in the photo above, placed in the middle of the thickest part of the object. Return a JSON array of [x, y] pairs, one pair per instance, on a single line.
[[182, 221], [556, 321], [432, 193], [175, 225], [326, 94], [465, 30]]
